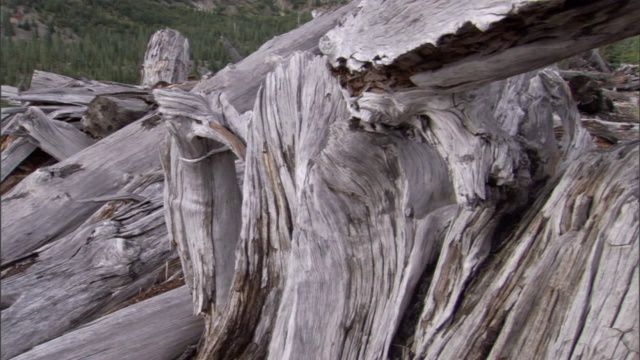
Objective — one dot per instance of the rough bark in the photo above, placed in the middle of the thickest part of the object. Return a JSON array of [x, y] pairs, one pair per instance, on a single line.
[[166, 59]]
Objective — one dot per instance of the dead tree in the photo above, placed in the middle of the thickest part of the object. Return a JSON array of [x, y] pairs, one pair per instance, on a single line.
[[403, 196], [413, 163]]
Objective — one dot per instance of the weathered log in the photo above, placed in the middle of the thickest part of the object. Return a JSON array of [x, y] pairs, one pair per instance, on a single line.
[[240, 82], [58, 139], [108, 114], [484, 43], [549, 290], [201, 184], [14, 154], [158, 328], [69, 282], [166, 59], [335, 206], [52, 194], [612, 131], [598, 62]]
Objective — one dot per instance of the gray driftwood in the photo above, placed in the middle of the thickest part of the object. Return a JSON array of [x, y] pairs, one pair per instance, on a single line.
[[351, 194], [166, 59], [15, 153], [401, 205], [103, 263], [57, 138], [160, 328]]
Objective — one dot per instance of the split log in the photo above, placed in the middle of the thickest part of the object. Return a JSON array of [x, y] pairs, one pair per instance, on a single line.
[[58, 139], [108, 114], [160, 328], [110, 257], [166, 59], [614, 132]]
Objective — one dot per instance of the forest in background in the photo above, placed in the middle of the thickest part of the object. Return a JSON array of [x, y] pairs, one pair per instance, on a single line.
[[106, 39]]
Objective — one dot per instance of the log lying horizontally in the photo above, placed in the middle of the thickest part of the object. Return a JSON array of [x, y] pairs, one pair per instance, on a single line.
[[159, 328]]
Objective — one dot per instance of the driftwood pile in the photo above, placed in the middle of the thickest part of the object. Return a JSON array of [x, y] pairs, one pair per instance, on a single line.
[[393, 180]]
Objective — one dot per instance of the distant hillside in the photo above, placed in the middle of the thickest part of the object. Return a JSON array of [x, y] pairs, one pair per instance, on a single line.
[[106, 39]]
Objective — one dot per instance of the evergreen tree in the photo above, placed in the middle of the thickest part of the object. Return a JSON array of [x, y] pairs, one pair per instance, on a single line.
[[7, 27]]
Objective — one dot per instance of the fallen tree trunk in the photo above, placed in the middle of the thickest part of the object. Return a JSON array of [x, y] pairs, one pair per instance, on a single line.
[[159, 328], [105, 262]]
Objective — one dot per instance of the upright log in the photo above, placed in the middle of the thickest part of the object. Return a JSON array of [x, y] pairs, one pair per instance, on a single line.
[[166, 59]]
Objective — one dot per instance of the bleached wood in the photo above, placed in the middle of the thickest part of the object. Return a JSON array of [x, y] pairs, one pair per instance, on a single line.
[[51, 194], [240, 82], [550, 292], [203, 211], [17, 151], [59, 139], [158, 328], [44, 79], [434, 37], [166, 58], [76, 277], [145, 137]]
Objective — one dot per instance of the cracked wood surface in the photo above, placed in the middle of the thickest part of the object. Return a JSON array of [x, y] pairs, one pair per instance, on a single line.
[[104, 262]]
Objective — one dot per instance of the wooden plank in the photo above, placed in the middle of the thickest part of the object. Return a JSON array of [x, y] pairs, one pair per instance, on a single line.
[[58, 139], [158, 328]]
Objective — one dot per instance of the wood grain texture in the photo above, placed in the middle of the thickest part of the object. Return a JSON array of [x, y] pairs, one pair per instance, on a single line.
[[59, 139], [455, 46], [51, 193], [565, 285], [14, 154], [158, 328], [166, 58], [75, 278]]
